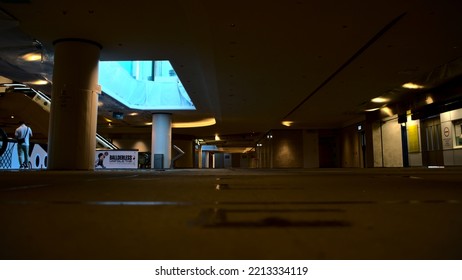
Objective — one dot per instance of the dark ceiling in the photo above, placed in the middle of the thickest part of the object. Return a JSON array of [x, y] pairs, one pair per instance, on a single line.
[[252, 64]]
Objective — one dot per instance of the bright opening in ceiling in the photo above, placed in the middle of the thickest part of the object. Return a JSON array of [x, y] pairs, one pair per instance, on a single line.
[[144, 85]]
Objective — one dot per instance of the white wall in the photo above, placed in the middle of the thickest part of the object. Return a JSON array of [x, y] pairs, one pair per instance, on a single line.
[[392, 148], [377, 144], [452, 155]]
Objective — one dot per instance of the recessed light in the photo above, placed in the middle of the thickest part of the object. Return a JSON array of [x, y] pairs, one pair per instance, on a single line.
[[287, 123], [412, 86], [387, 111], [429, 100], [39, 82], [380, 100], [32, 57]]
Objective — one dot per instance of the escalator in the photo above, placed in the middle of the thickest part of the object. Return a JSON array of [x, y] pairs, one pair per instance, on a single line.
[[44, 102]]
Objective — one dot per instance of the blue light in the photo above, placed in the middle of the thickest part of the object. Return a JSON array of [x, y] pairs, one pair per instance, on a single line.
[[144, 85]]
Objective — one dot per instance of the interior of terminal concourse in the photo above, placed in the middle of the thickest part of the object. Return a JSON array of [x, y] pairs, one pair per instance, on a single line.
[[352, 91], [96, 100], [193, 129]]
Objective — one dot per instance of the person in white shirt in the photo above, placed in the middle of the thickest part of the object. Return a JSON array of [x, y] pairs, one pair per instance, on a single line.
[[22, 134]]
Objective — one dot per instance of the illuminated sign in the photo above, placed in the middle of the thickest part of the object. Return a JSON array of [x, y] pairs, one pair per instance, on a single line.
[[116, 159]]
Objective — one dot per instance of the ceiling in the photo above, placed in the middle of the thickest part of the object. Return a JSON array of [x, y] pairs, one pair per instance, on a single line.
[[250, 64]]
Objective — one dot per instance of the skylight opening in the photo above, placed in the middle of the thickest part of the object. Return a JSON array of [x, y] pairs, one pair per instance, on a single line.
[[144, 85]]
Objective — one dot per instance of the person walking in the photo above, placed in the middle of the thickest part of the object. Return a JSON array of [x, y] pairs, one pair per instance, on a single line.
[[22, 134]]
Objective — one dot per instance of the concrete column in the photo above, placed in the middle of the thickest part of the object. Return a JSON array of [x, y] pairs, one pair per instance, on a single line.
[[73, 115], [161, 138], [199, 157]]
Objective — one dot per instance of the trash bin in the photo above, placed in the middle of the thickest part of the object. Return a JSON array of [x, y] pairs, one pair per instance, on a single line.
[[158, 161]]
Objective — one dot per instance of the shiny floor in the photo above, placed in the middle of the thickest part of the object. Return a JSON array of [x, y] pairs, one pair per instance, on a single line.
[[232, 214]]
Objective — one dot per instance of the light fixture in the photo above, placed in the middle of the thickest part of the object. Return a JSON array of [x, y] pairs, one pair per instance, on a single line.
[[148, 123], [412, 86], [217, 137], [38, 82], [133, 114], [32, 57], [201, 123], [380, 100], [287, 123], [387, 111], [13, 85], [372, 109], [429, 100]]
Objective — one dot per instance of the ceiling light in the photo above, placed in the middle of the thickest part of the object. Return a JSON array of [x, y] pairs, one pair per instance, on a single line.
[[133, 114], [287, 123], [32, 57], [217, 137], [201, 123], [387, 111], [380, 100], [412, 86], [429, 100], [148, 123], [12, 85], [372, 110], [39, 82]]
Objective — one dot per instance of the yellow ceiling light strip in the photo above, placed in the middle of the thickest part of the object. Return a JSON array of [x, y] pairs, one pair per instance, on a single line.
[[201, 123]]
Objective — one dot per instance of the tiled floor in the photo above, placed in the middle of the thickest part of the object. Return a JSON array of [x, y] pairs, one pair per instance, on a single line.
[[232, 214]]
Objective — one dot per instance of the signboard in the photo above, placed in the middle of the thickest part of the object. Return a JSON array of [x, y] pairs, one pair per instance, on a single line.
[[116, 159], [446, 132], [413, 139]]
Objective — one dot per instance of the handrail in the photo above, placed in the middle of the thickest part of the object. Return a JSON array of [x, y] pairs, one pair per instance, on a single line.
[[105, 143], [180, 154], [45, 102]]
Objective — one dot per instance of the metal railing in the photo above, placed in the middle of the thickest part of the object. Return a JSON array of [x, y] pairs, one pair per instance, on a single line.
[[45, 102]]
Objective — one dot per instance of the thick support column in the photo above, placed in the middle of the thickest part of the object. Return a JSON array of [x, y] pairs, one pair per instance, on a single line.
[[73, 116], [161, 139]]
